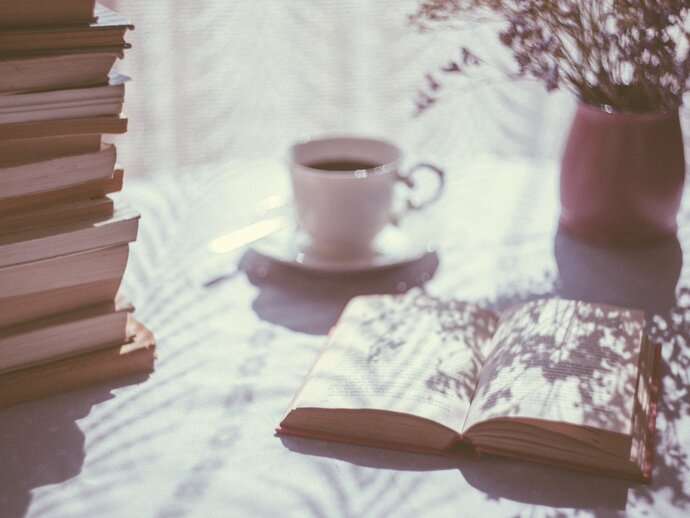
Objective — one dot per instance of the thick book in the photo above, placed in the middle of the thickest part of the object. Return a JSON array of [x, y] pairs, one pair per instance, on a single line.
[[55, 173], [16, 13], [107, 30], [63, 271], [50, 71], [74, 236], [23, 151], [55, 215], [79, 191], [67, 103], [18, 309], [63, 335], [555, 381], [104, 124], [136, 356]]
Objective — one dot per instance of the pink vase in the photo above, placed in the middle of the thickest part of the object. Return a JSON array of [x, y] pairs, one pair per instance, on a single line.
[[622, 175]]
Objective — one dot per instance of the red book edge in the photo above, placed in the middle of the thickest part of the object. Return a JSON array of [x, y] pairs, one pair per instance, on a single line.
[[458, 448]]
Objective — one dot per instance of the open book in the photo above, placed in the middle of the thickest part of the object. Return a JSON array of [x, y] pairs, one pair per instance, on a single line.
[[554, 381]]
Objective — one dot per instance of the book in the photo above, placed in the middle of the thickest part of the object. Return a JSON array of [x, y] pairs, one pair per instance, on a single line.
[[64, 245], [42, 303], [105, 124], [64, 334], [41, 12], [71, 103], [107, 30], [80, 191], [46, 52], [63, 271], [74, 236], [136, 356], [54, 215], [22, 151], [54, 173], [22, 72], [554, 381]]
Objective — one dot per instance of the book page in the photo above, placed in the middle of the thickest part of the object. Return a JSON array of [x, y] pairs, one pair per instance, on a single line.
[[404, 353], [563, 361]]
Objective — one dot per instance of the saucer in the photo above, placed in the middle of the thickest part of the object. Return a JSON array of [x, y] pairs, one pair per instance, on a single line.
[[393, 246]]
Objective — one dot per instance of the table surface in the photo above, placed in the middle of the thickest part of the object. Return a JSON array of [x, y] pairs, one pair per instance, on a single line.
[[237, 332]]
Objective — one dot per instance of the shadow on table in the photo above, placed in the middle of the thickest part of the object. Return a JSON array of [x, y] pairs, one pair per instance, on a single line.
[[41, 444], [643, 277], [495, 477], [311, 302]]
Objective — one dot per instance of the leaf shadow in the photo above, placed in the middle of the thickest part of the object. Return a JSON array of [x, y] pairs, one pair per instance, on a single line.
[[646, 277], [41, 443]]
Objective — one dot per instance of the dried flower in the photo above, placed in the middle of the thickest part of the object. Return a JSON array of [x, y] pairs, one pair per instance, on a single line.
[[632, 55]]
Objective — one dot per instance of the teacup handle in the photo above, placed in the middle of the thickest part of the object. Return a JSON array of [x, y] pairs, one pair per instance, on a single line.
[[408, 180]]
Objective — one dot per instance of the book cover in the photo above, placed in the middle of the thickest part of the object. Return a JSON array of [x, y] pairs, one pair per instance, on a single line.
[[41, 303], [70, 103], [79, 191], [54, 215], [30, 72], [17, 13], [63, 271], [24, 151], [135, 356], [63, 334], [55, 173], [73, 236], [107, 30]]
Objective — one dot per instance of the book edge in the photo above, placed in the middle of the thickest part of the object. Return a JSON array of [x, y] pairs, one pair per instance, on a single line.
[[142, 348], [371, 443]]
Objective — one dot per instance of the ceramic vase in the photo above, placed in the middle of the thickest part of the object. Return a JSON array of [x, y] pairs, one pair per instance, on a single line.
[[622, 175]]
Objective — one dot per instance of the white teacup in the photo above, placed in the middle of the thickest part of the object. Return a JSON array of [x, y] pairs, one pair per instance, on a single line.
[[344, 190]]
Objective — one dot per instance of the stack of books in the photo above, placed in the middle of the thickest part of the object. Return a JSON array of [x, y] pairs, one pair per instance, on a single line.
[[64, 243]]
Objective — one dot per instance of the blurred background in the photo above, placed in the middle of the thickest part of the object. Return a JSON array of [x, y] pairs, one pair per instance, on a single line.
[[215, 80]]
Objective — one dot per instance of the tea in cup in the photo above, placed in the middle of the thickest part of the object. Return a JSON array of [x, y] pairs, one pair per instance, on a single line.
[[345, 190]]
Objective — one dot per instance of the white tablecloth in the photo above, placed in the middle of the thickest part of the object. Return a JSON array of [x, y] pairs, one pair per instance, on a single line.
[[237, 332]]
